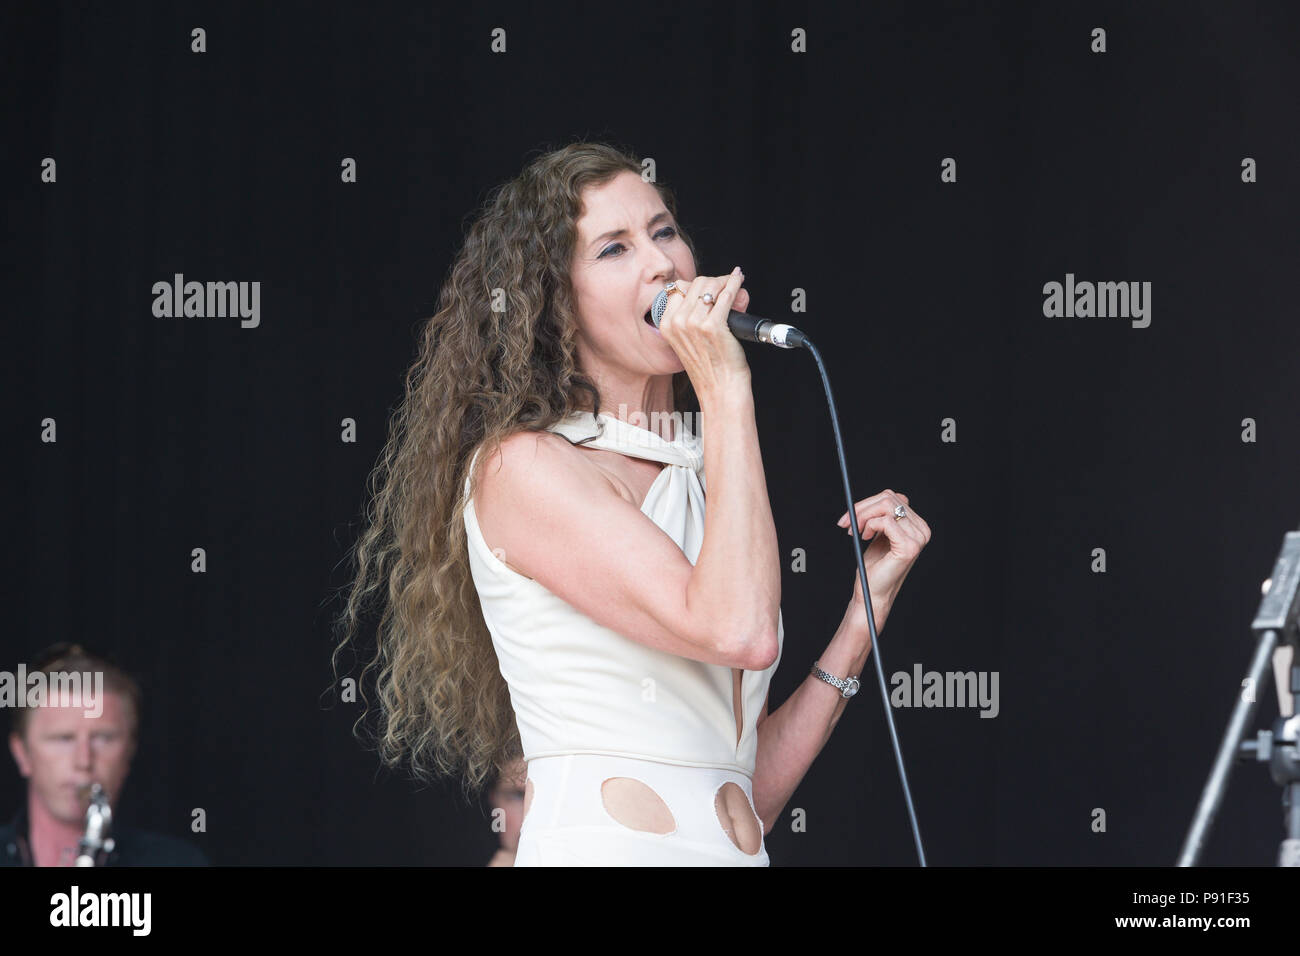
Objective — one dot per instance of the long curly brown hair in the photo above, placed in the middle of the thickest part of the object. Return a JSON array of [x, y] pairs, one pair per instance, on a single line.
[[498, 357]]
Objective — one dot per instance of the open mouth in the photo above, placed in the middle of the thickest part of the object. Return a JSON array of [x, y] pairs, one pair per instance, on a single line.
[[649, 321]]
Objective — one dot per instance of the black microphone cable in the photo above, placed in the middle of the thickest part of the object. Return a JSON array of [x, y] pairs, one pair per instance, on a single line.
[[803, 341]]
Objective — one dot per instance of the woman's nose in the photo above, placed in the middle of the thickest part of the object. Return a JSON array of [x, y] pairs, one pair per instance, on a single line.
[[663, 265]]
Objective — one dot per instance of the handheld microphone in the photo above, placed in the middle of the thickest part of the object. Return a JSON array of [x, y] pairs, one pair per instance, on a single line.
[[746, 327]]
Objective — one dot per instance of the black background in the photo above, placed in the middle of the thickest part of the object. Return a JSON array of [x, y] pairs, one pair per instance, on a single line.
[[816, 171]]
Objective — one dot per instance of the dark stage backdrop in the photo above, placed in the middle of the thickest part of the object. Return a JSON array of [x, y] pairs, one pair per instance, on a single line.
[[917, 172]]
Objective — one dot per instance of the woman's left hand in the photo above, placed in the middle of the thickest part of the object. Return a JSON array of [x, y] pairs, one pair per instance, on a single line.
[[888, 558]]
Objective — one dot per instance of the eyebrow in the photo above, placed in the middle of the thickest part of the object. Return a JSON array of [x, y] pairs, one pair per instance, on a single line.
[[615, 233]]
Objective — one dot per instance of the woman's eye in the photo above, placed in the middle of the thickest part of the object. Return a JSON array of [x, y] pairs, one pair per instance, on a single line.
[[609, 252]]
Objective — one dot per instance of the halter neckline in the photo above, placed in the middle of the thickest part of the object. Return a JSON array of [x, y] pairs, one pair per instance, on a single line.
[[609, 433]]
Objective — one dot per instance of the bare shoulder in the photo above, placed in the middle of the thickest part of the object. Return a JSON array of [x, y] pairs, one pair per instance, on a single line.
[[532, 461], [529, 481]]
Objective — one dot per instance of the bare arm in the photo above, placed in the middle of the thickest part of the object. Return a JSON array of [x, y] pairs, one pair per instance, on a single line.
[[791, 737], [738, 573], [559, 520]]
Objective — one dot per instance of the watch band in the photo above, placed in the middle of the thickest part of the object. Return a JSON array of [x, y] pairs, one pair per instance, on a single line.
[[847, 688]]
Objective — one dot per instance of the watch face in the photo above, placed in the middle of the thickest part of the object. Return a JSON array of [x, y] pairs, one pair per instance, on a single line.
[[852, 688]]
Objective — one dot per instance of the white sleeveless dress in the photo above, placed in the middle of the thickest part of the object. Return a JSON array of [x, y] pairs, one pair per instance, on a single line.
[[591, 704]]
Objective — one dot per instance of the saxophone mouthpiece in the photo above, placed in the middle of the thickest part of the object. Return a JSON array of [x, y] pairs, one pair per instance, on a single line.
[[99, 823]]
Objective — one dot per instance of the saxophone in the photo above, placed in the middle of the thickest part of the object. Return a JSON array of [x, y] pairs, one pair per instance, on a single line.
[[96, 843]]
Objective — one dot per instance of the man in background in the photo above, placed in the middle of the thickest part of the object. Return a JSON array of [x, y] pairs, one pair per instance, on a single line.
[[73, 739]]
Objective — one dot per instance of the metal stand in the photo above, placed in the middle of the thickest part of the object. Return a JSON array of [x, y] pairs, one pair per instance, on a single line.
[[1276, 623]]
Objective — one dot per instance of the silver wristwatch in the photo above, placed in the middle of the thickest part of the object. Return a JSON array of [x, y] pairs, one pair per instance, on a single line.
[[847, 688]]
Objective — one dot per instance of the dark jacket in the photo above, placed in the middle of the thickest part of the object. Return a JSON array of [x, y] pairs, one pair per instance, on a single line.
[[131, 847]]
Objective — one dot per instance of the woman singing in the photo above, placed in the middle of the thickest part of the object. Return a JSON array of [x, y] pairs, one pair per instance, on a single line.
[[555, 587]]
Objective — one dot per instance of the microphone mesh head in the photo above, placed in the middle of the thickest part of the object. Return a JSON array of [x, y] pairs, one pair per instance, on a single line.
[[659, 306]]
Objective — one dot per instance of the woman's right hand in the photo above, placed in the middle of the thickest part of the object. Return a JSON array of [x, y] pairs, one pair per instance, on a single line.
[[711, 354]]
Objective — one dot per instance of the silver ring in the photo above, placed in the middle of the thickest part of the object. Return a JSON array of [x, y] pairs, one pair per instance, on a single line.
[[899, 512], [708, 298]]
